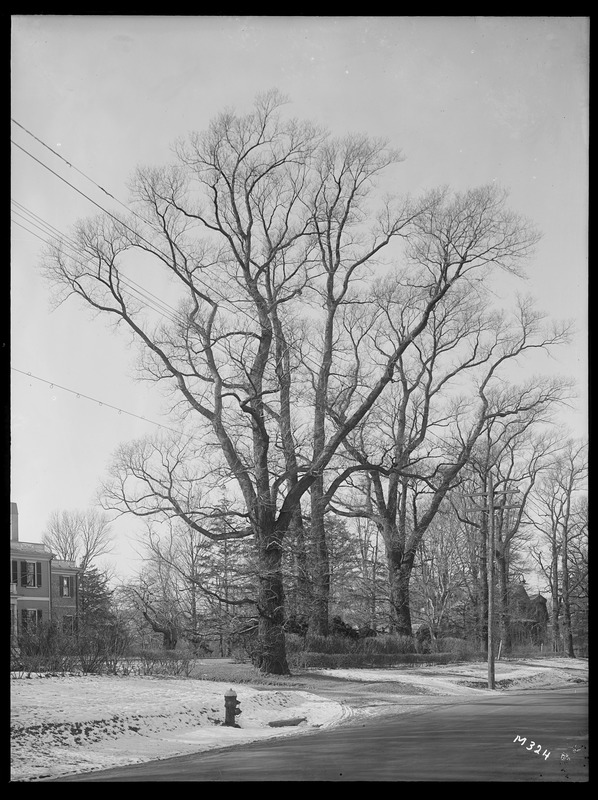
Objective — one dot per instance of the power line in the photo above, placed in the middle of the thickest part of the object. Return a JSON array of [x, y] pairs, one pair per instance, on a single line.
[[68, 163], [139, 293], [52, 384], [84, 174], [135, 289], [158, 305], [28, 231], [153, 249], [64, 180]]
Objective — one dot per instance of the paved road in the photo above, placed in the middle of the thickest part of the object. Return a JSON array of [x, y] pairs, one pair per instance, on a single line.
[[472, 740]]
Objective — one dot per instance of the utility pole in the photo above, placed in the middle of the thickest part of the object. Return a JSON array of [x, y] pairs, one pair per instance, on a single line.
[[489, 508]]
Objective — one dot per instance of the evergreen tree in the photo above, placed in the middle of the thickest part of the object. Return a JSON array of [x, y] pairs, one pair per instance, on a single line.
[[95, 598]]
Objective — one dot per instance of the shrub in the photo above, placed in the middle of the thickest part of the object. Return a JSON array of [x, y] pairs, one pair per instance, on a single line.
[[46, 648], [364, 661], [460, 647], [116, 642], [330, 644], [388, 643], [365, 632], [91, 652], [423, 639], [296, 625], [294, 643], [165, 662], [338, 627]]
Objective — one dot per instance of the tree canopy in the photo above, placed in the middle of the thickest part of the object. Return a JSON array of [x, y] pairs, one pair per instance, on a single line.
[[312, 311]]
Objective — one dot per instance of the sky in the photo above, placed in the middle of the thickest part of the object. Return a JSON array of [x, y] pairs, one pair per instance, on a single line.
[[469, 100]]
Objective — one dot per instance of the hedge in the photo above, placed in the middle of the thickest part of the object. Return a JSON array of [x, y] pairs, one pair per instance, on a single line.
[[365, 660]]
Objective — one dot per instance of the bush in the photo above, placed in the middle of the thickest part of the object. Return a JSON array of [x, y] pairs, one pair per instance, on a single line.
[[294, 643], [460, 647], [340, 628], [364, 661], [389, 643], [365, 631], [423, 639], [90, 648], [296, 625], [165, 662], [46, 648], [101, 648], [330, 644]]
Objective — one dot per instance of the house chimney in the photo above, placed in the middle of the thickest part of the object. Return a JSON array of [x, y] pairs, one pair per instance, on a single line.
[[14, 523]]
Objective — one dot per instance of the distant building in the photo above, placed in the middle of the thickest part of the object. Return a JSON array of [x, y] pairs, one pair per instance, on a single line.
[[42, 587], [529, 616]]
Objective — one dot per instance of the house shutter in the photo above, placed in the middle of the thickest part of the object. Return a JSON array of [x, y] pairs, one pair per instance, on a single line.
[[15, 572], [38, 571], [24, 618], [71, 586], [23, 573]]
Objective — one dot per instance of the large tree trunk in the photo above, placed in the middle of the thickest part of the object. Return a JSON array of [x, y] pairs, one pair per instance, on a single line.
[[505, 616], [318, 623], [298, 587], [399, 576], [567, 627], [169, 632], [271, 653], [554, 615], [483, 584]]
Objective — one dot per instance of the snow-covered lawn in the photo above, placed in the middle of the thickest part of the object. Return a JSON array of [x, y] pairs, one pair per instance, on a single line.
[[463, 678], [74, 724], [63, 725]]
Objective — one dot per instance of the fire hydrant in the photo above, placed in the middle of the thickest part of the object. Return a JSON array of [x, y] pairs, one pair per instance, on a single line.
[[231, 709]]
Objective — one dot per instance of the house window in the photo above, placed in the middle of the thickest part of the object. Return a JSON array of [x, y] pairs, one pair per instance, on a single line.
[[31, 574], [31, 618], [67, 585]]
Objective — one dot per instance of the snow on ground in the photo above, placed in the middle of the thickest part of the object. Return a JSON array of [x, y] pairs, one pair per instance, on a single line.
[[62, 725], [465, 678], [73, 724]]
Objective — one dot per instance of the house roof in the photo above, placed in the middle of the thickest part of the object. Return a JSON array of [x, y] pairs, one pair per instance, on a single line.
[[58, 564], [31, 548]]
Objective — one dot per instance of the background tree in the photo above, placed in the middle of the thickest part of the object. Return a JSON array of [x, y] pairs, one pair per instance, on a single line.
[[95, 599], [405, 446], [213, 582], [520, 456], [439, 577], [516, 451], [154, 594], [579, 575], [559, 516], [344, 246], [369, 581], [79, 536]]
